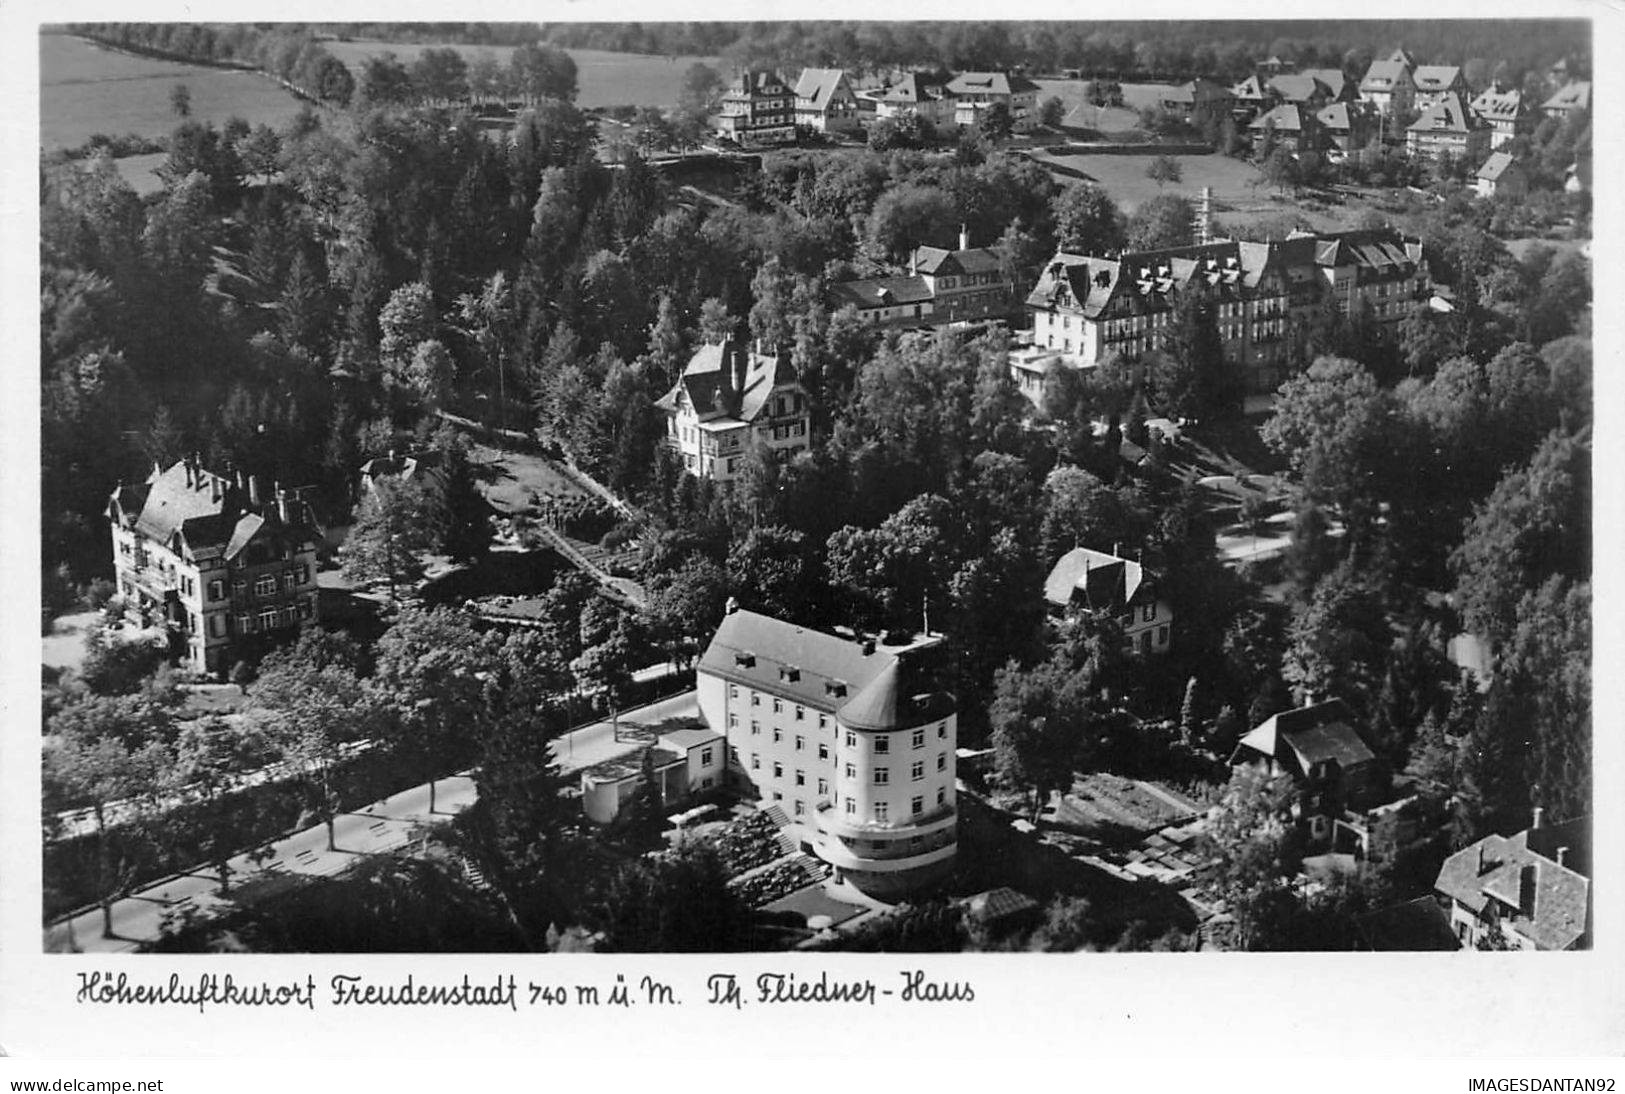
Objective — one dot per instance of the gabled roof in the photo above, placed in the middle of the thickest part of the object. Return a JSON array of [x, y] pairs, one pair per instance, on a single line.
[[1252, 89], [1309, 735], [1200, 89], [1432, 78], [1498, 106], [1384, 75], [1335, 79], [1575, 95], [1448, 115], [197, 509], [1399, 56], [728, 381], [1298, 87], [938, 261], [989, 83], [819, 85], [1098, 581], [1286, 118], [1494, 869], [882, 292], [914, 88], [757, 82], [1335, 117], [1415, 925], [1497, 165]]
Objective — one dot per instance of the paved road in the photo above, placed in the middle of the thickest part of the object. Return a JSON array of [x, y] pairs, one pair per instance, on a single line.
[[383, 826]]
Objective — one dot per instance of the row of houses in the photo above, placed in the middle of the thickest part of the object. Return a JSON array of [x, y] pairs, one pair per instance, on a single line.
[[761, 108]]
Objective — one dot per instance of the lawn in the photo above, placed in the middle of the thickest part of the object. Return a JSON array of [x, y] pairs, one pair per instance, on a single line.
[[1112, 119], [604, 79], [514, 476], [1239, 197], [87, 89]]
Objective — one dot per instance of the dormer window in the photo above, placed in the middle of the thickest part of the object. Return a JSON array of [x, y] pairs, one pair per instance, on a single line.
[[835, 688], [745, 660], [789, 674]]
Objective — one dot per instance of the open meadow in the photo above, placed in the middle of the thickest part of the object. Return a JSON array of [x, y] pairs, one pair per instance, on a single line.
[[87, 89], [604, 79], [1239, 196], [1111, 119]]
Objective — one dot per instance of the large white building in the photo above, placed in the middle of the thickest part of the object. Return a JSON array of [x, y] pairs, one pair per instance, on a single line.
[[730, 399], [845, 736]]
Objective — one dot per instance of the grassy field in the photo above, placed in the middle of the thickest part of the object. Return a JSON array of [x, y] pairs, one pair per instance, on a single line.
[[604, 79], [1238, 197], [1112, 119], [86, 89]]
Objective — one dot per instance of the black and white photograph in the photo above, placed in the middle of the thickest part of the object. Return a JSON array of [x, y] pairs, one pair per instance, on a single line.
[[802, 488]]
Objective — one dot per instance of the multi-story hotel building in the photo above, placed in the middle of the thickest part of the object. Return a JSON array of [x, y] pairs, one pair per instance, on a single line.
[[1086, 308], [730, 399], [1447, 128], [757, 109], [846, 737], [222, 565], [973, 93], [825, 101]]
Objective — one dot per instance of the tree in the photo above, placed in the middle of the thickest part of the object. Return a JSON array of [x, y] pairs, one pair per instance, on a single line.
[[384, 81], [428, 676], [395, 525], [488, 319], [1332, 424], [1165, 221], [910, 216], [1256, 852], [1040, 719], [180, 101], [261, 152], [209, 755], [1164, 169], [315, 706], [440, 75], [1280, 167], [904, 562], [88, 765], [406, 321], [996, 123], [686, 605], [678, 902], [1087, 221], [539, 71], [1051, 112]]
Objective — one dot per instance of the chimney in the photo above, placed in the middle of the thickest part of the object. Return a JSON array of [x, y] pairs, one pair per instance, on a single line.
[[731, 606], [1562, 856], [1528, 879], [1534, 825], [189, 481], [254, 490], [214, 487], [868, 646], [914, 262], [964, 238], [281, 503], [741, 368]]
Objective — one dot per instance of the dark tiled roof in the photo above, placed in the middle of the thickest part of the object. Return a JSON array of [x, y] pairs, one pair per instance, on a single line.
[[1106, 581], [202, 509], [1496, 867], [1286, 118], [1499, 106], [1335, 117], [711, 382], [989, 83], [996, 904], [1309, 735], [1252, 88], [940, 261], [1335, 79], [882, 292], [822, 671], [1298, 88]]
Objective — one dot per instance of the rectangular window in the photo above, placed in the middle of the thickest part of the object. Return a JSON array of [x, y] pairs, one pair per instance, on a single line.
[[1162, 636], [778, 734], [239, 586], [289, 580], [801, 742], [268, 619], [851, 771], [778, 771], [881, 809], [851, 739], [919, 738], [778, 796], [916, 806], [778, 706], [823, 722], [733, 691], [705, 757], [755, 761], [942, 795], [1148, 613], [245, 624], [306, 607], [882, 776], [755, 700], [851, 806], [733, 721], [801, 807], [916, 772], [882, 745], [823, 752], [801, 712], [801, 777], [304, 575], [942, 761], [265, 585], [733, 754], [942, 730], [217, 626], [823, 786]]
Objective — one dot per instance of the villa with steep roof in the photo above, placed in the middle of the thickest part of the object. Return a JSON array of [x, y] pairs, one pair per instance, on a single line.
[[1084, 580], [758, 108], [974, 92], [1572, 98], [848, 736], [1388, 84], [913, 94], [1435, 82], [1447, 128], [825, 101], [1331, 767], [1529, 891], [1500, 175], [1289, 125], [731, 399], [222, 563], [1503, 112]]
